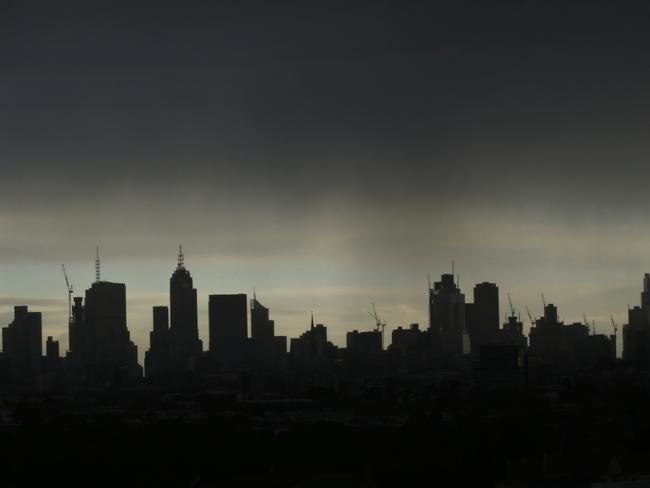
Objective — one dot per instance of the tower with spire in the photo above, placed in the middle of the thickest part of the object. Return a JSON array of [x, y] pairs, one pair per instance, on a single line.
[[184, 342], [103, 345]]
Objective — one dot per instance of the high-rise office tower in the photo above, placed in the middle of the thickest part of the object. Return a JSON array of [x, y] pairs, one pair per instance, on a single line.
[[263, 346], [51, 348], [546, 336], [22, 344], [157, 358], [185, 345], [262, 329], [76, 352], [75, 326], [312, 344], [636, 333], [53, 364], [645, 296], [447, 316], [228, 329], [512, 333], [446, 305], [483, 315], [108, 352]]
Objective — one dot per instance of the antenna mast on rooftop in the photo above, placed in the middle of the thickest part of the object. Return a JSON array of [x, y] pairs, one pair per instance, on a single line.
[[181, 257], [98, 273]]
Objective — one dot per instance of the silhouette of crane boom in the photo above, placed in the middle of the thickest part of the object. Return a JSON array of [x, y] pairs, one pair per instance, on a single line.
[[378, 323], [70, 292]]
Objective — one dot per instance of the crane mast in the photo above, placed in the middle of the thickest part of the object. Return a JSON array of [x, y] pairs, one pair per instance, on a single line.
[[614, 325], [70, 292], [586, 322], [532, 322], [378, 324], [512, 309]]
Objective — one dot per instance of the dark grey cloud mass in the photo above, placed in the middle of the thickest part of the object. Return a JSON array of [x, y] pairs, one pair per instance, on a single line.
[[273, 96]]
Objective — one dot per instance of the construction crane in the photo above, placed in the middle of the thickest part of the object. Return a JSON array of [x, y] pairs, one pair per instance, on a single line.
[[532, 322], [543, 300], [70, 292], [614, 325], [586, 322], [378, 323], [512, 309]]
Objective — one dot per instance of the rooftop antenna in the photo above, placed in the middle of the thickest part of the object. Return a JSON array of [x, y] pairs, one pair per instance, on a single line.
[[312, 320], [98, 273], [181, 257], [429, 280], [452, 269], [254, 296]]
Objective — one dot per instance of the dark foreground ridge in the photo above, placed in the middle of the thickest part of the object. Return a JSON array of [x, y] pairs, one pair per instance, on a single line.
[[463, 400], [433, 434]]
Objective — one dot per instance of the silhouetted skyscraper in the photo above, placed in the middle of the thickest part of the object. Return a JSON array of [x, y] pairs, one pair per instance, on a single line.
[[447, 316], [636, 333], [486, 299], [554, 344], [262, 328], [645, 296], [546, 337], [228, 326], [482, 316], [75, 329], [22, 344], [267, 351], [365, 342], [512, 333], [312, 345], [184, 343], [75, 356], [109, 353], [52, 362], [51, 348], [157, 358]]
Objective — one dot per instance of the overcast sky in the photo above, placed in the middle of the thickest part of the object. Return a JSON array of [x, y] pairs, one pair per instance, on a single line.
[[328, 155]]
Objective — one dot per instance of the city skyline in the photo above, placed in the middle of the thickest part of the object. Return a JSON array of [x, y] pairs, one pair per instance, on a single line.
[[327, 170], [337, 331], [290, 243]]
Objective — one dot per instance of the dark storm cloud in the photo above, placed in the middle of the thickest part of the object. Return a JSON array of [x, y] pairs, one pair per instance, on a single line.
[[413, 98]]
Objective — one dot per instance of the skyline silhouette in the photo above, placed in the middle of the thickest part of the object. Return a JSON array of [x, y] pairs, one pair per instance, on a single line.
[[175, 342], [326, 153], [340, 329], [414, 243]]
